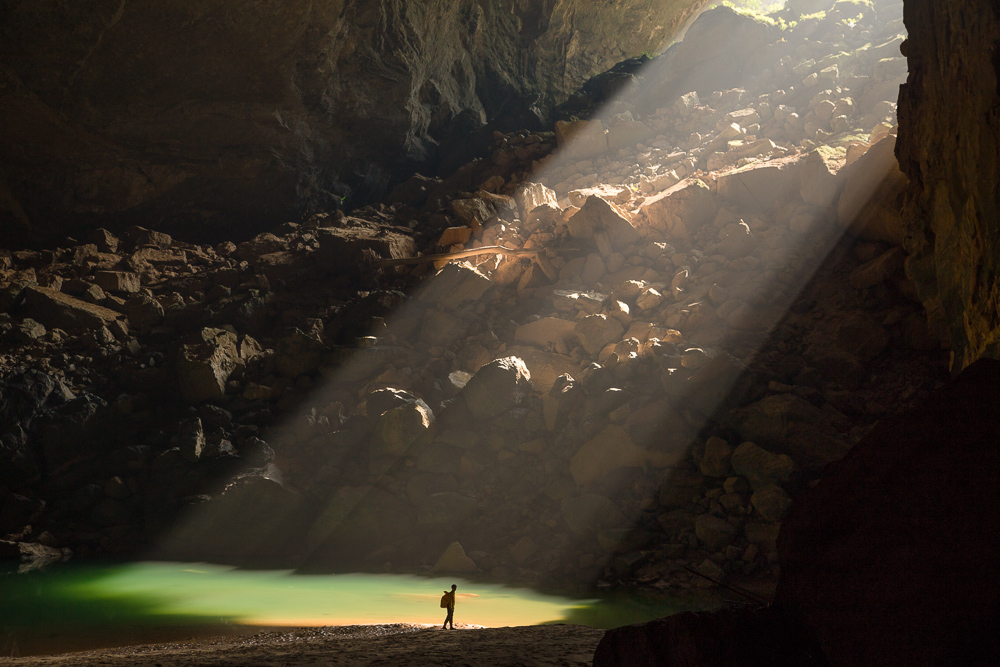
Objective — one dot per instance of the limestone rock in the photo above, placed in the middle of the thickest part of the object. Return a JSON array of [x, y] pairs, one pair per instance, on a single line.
[[611, 448], [530, 196], [454, 285], [598, 215], [715, 462], [794, 426], [819, 184], [544, 367], [680, 210], [878, 270], [762, 468], [761, 188], [497, 387], [596, 331], [143, 311], [398, 428], [57, 310], [454, 561], [545, 332], [713, 532], [205, 363], [190, 439], [446, 509], [771, 502], [738, 241], [120, 282], [345, 250], [298, 353], [587, 514], [870, 204]]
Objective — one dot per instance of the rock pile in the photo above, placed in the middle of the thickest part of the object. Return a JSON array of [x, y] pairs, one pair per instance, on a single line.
[[639, 380]]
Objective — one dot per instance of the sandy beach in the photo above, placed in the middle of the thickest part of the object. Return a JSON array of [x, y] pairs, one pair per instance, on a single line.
[[392, 644]]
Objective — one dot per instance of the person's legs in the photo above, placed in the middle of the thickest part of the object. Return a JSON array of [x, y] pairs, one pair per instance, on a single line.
[[448, 620]]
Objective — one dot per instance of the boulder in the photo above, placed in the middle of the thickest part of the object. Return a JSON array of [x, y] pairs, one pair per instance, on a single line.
[[596, 331], [870, 204], [715, 462], [189, 439], [544, 367], [57, 310], [762, 188], [762, 468], [118, 282], [794, 426], [205, 363], [610, 449], [355, 519], [497, 387], [454, 285], [680, 210], [454, 561], [298, 353], [446, 509], [714, 532], [545, 332], [819, 185], [771, 502], [530, 196], [143, 311], [878, 270], [600, 216], [400, 427], [588, 514], [347, 250]]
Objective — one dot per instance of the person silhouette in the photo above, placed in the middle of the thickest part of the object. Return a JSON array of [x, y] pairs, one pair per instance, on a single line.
[[448, 600]]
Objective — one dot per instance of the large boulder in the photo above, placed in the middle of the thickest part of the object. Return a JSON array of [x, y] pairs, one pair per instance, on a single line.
[[205, 363], [680, 210], [497, 387], [55, 309]]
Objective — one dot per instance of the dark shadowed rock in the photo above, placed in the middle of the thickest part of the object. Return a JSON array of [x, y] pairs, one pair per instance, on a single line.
[[758, 638], [890, 559], [497, 387]]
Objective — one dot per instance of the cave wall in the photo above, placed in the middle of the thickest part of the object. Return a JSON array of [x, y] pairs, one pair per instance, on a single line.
[[949, 147], [199, 114]]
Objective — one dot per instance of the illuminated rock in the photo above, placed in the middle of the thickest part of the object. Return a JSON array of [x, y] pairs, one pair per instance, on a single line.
[[680, 210], [497, 387], [454, 285], [596, 331]]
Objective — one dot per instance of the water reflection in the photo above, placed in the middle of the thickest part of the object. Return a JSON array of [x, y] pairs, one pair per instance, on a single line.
[[73, 608]]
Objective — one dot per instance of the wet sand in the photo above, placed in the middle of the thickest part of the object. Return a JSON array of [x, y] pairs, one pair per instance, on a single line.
[[391, 644]]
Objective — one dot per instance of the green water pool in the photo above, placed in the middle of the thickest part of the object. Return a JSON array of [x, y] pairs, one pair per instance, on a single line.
[[84, 607]]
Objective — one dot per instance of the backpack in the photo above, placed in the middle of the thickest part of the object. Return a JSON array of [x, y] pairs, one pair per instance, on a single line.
[[444, 601]]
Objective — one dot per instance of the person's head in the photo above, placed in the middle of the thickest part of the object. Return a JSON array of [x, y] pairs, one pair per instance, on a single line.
[[453, 587]]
